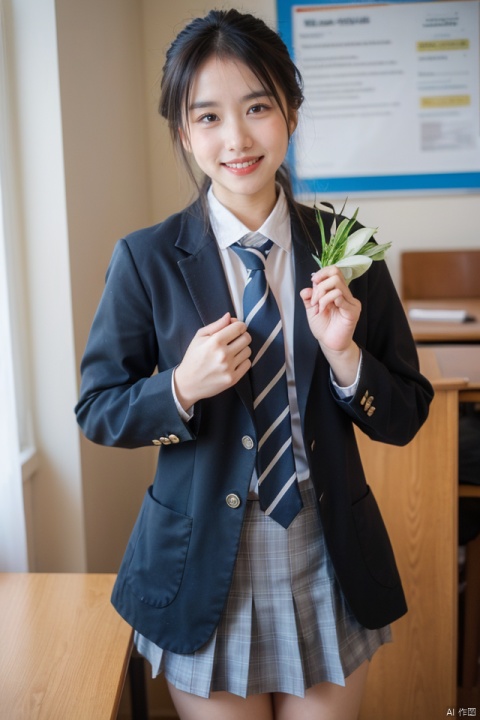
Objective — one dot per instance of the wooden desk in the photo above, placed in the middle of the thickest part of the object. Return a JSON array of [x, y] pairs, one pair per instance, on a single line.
[[417, 490], [65, 650], [438, 332]]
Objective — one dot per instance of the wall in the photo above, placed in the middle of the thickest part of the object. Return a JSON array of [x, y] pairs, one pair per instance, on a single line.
[[101, 80]]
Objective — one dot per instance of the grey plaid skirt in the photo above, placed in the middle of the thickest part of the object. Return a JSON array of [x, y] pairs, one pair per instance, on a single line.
[[286, 625]]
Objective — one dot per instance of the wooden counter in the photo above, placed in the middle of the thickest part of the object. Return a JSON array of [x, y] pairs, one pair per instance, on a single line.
[[417, 489], [64, 649]]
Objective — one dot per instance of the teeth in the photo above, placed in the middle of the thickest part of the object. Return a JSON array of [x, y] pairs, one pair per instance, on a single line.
[[238, 166]]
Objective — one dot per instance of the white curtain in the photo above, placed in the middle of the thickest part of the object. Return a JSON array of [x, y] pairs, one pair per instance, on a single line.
[[13, 539]]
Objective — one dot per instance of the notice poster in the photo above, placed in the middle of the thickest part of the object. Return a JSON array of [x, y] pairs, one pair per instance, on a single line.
[[391, 96]]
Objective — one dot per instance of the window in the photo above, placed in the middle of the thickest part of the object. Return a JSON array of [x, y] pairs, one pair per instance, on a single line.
[[13, 543]]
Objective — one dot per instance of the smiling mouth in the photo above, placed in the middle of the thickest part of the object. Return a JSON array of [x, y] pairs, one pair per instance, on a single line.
[[242, 165]]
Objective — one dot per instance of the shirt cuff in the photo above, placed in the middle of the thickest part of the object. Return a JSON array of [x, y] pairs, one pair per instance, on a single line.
[[345, 392], [185, 415]]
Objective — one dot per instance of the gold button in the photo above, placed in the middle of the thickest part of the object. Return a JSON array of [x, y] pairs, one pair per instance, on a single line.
[[156, 442], [174, 439], [165, 441], [247, 442], [364, 398], [371, 411], [233, 501], [369, 403]]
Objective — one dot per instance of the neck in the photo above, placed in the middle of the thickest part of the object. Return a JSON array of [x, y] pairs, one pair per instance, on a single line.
[[251, 211]]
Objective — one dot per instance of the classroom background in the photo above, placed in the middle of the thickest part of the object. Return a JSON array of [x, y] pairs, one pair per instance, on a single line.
[[94, 162]]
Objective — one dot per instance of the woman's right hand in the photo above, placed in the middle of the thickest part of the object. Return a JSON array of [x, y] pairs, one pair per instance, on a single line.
[[216, 359]]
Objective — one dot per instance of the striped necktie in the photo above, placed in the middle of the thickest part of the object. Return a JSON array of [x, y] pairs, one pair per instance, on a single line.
[[278, 490]]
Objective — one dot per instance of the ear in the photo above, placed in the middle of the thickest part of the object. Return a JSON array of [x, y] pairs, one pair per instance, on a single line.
[[185, 140], [292, 122]]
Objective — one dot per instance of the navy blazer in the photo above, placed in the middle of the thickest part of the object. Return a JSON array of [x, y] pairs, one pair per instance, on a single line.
[[163, 284]]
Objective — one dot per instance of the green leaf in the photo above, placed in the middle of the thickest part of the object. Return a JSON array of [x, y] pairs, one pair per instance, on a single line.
[[358, 240], [352, 252], [317, 260], [322, 228], [354, 266], [345, 227], [376, 252], [347, 273]]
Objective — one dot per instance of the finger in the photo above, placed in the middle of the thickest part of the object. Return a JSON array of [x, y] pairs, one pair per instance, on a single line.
[[216, 326], [311, 307], [326, 272], [242, 369], [306, 294], [239, 343], [231, 332], [242, 357], [331, 284], [333, 279], [334, 296], [336, 299]]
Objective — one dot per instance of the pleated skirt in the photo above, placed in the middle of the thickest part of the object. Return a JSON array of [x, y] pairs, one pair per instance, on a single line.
[[286, 625]]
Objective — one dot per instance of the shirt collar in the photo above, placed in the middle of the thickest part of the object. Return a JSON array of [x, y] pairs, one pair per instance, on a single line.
[[228, 229]]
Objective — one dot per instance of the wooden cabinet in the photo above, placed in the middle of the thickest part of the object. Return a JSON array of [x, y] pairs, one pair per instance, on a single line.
[[417, 490]]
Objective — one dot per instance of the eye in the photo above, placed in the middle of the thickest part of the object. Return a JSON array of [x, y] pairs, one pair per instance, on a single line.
[[207, 118], [258, 108]]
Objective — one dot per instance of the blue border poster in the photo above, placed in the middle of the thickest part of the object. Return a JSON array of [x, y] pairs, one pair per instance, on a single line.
[[392, 95]]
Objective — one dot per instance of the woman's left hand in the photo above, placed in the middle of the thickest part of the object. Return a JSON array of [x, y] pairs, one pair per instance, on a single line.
[[332, 310]]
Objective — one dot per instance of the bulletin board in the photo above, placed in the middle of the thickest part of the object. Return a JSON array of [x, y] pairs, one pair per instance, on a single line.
[[391, 96]]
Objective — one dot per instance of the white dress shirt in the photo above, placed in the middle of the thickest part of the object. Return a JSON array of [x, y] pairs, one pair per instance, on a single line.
[[279, 270]]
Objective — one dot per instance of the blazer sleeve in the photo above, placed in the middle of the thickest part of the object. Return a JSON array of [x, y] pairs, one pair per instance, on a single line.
[[123, 401], [392, 398]]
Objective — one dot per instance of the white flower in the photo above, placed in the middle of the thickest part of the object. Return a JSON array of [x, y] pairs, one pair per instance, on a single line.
[[352, 253]]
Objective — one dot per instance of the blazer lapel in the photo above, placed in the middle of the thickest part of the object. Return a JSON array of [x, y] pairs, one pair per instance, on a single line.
[[306, 347], [204, 276]]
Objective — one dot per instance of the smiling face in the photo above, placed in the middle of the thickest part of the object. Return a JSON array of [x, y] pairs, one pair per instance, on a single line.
[[237, 134]]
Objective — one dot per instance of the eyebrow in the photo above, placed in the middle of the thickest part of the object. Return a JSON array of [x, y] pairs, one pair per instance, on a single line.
[[255, 95]]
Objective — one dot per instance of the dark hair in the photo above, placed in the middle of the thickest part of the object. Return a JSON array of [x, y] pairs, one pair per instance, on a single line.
[[228, 34]]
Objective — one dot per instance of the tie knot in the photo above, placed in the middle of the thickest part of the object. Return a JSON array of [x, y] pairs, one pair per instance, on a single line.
[[253, 256]]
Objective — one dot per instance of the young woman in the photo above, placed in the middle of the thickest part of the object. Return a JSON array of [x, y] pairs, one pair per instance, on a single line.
[[247, 610]]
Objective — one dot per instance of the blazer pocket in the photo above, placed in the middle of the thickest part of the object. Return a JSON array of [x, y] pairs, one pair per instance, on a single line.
[[374, 542], [161, 538]]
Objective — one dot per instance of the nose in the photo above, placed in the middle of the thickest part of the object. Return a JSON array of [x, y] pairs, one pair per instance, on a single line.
[[237, 135]]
